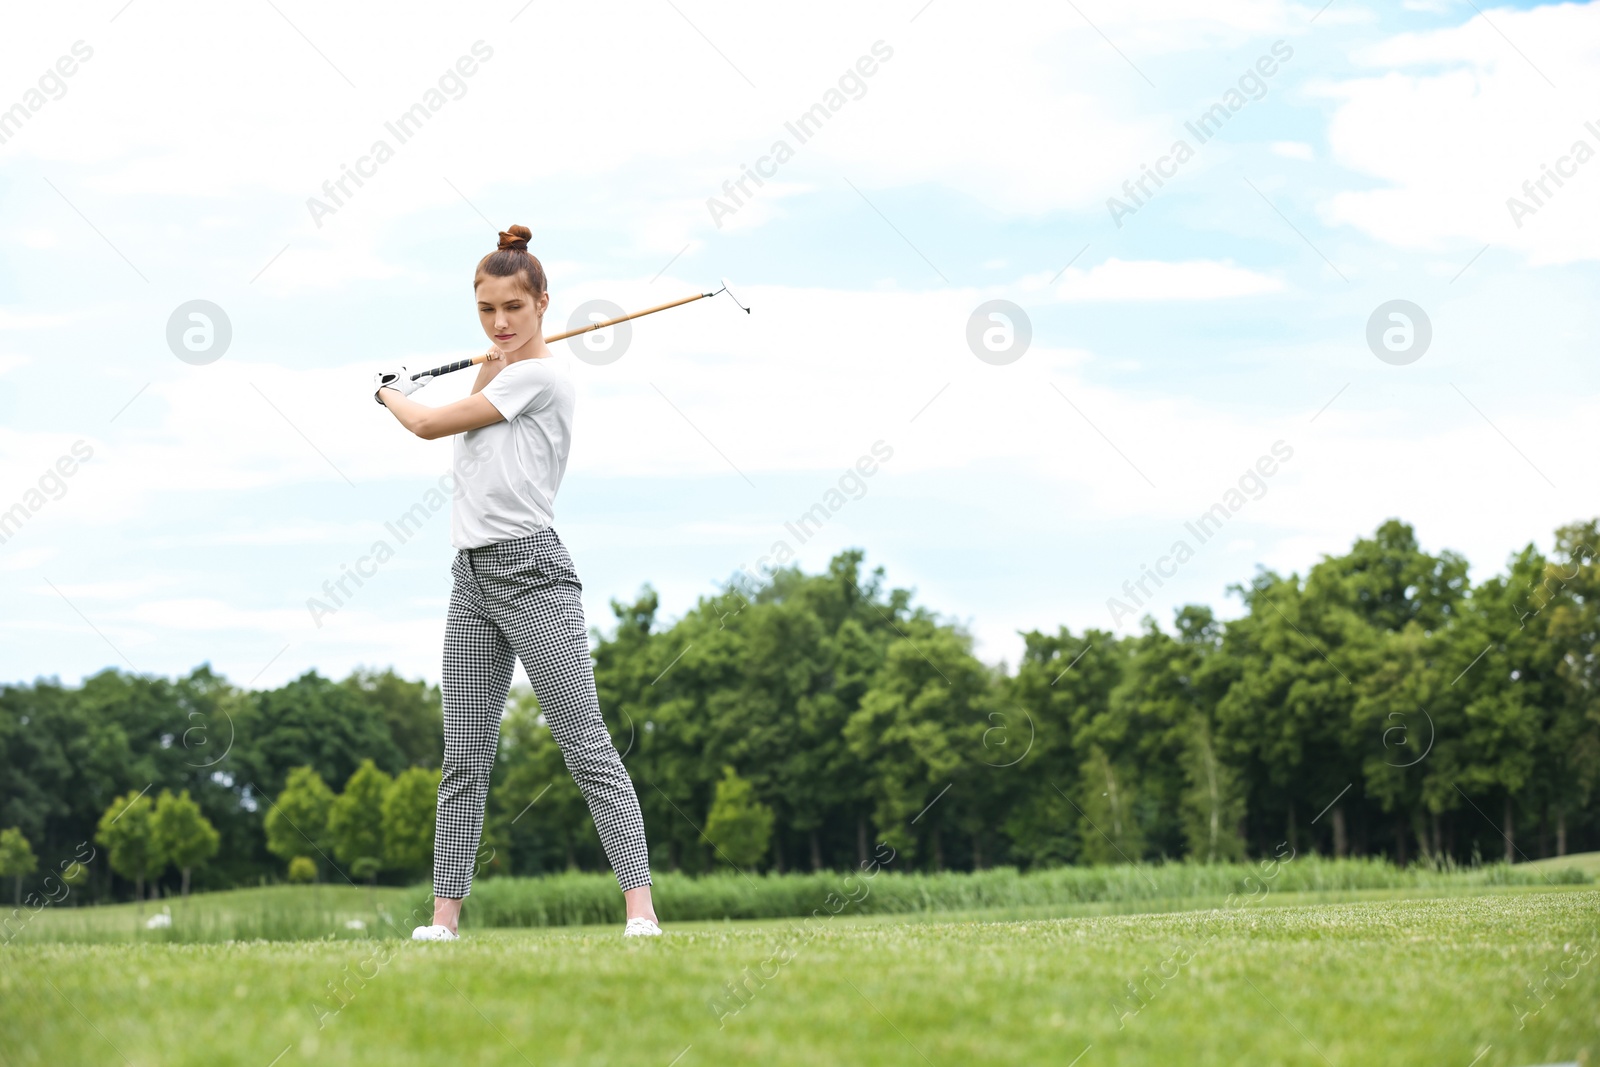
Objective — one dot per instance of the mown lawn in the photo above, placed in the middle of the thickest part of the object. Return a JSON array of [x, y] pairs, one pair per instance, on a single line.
[[1404, 981]]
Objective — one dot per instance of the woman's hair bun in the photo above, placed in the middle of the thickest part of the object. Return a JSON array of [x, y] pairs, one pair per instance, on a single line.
[[511, 258], [515, 239]]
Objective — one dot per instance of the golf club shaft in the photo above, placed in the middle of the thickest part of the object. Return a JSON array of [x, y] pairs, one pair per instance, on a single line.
[[475, 360]]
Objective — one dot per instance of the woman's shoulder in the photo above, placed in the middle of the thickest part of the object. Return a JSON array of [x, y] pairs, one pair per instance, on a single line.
[[543, 380]]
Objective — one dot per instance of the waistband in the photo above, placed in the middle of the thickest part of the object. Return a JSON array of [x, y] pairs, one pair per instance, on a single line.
[[517, 544]]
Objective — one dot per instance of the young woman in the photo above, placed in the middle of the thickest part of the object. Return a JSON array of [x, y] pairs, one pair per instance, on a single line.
[[515, 593]]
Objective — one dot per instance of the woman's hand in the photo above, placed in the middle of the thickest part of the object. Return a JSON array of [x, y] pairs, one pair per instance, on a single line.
[[494, 353], [398, 380]]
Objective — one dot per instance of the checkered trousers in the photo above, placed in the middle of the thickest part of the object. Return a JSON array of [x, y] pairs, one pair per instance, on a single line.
[[520, 600]]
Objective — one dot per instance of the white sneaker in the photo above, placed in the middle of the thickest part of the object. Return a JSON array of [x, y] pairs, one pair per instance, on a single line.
[[641, 927], [434, 933]]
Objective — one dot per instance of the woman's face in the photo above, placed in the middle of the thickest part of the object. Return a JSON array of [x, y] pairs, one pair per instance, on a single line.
[[509, 315]]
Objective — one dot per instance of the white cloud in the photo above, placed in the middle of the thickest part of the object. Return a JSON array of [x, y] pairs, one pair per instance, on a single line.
[[1118, 279], [21, 320], [276, 534], [39, 237], [122, 590], [208, 614], [132, 111], [1460, 119], [25, 559], [198, 165]]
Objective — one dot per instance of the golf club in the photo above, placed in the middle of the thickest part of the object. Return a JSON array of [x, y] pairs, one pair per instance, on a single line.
[[475, 360]]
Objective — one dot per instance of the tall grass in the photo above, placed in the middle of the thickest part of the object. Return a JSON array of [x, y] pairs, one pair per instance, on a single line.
[[277, 913], [305, 913], [574, 899]]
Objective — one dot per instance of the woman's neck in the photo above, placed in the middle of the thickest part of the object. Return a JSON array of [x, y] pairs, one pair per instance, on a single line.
[[533, 349]]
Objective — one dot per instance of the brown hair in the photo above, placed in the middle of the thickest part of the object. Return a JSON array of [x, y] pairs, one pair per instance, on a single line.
[[513, 258]]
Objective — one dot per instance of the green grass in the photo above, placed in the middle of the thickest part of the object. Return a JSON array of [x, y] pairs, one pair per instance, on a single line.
[[294, 913], [1587, 862], [276, 913], [1400, 981], [576, 899]]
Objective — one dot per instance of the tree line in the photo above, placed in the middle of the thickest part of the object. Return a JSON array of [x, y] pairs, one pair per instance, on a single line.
[[1379, 704]]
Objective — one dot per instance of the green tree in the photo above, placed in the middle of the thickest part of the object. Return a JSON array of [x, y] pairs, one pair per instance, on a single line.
[[537, 821], [408, 817], [302, 870], [355, 821], [1570, 739], [1376, 691], [1064, 684], [1289, 711], [1213, 803], [1109, 832], [127, 830], [184, 837], [821, 777], [829, 780], [1169, 688], [779, 651], [312, 721], [919, 728], [411, 711], [1500, 716], [738, 823], [1406, 711], [67, 752], [16, 860], [763, 676], [297, 822], [75, 875]]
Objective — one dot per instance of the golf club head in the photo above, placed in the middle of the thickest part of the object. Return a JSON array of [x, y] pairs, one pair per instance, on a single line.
[[729, 290]]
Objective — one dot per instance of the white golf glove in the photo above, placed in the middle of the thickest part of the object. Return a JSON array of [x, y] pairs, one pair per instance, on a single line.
[[398, 380]]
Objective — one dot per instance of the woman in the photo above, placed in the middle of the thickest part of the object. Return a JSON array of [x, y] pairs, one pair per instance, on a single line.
[[515, 593]]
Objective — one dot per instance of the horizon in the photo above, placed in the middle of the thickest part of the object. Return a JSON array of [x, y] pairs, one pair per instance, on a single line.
[[662, 622]]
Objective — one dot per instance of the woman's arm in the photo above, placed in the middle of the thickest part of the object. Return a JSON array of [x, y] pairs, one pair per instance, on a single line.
[[487, 370], [433, 423]]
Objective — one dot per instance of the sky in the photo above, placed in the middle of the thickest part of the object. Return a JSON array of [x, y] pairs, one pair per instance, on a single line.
[[1065, 277]]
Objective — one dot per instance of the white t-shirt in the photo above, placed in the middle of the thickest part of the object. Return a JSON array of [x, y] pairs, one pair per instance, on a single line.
[[507, 473]]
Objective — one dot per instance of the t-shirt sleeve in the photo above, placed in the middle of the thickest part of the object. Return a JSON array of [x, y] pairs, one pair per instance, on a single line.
[[518, 388]]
